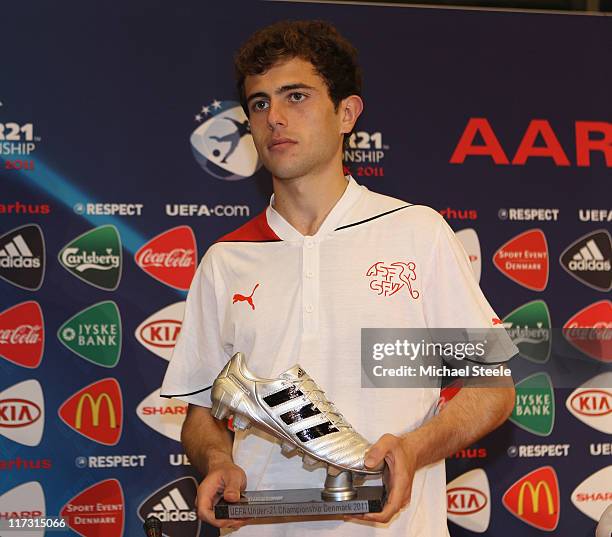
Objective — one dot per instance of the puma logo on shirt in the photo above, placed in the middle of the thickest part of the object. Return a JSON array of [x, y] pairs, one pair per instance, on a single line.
[[241, 298]]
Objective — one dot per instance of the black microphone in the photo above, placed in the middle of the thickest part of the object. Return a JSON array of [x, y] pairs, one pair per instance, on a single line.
[[153, 527]]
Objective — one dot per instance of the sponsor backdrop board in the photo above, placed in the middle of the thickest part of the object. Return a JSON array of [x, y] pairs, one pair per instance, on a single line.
[[124, 155]]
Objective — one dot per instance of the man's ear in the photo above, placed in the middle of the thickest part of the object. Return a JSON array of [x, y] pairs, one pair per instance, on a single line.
[[350, 109]]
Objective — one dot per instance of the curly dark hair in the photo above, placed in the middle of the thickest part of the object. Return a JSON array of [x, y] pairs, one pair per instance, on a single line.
[[318, 42]]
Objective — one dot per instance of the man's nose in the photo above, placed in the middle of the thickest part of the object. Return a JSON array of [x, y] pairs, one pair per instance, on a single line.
[[276, 115]]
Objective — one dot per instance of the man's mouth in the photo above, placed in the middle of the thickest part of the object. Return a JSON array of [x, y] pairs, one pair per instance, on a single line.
[[281, 143]]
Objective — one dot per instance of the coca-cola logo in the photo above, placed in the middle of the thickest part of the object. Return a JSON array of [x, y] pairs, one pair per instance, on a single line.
[[25, 334], [16, 412], [178, 257]]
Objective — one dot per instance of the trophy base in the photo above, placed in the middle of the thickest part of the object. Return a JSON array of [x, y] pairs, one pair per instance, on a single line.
[[301, 502]]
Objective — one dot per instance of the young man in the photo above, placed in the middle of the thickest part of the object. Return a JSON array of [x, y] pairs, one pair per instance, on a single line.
[[317, 264]]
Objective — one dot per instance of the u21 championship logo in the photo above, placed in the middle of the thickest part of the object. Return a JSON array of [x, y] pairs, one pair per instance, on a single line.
[[468, 501], [97, 511], [534, 499], [22, 334], [22, 257], [170, 257], [95, 257], [589, 260], [590, 331], [387, 280], [222, 144], [22, 413], [524, 259], [96, 412]]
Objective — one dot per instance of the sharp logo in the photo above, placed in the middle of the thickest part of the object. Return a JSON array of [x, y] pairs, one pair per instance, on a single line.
[[222, 144], [589, 260], [471, 244], [529, 327], [159, 332], [524, 259], [591, 403], [170, 257], [166, 416], [96, 412], [534, 499], [22, 257], [22, 334], [534, 409], [25, 501], [594, 494], [469, 501], [589, 331], [22, 413], [94, 334], [174, 505], [95, 257], [98, 511]]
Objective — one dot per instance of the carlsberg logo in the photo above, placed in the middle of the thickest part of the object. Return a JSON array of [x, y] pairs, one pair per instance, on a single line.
[[534, 409], [95, 257], [529, 329]]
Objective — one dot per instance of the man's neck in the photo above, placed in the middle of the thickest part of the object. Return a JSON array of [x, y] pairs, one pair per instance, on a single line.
[[306, 201]]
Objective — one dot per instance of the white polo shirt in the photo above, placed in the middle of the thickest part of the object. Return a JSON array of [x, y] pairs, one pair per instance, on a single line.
[[282, 298]]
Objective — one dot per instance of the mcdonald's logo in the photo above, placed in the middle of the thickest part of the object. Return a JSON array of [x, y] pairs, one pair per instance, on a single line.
[[534, 499], [96, 412]]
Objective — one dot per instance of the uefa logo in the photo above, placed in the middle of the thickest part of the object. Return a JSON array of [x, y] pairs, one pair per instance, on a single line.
[[222, 144]]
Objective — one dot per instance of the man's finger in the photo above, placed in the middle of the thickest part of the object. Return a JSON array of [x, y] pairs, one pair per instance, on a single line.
[[233, 487], [376, 454]]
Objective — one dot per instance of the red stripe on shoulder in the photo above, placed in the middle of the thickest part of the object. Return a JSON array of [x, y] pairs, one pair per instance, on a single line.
[[255, 230]]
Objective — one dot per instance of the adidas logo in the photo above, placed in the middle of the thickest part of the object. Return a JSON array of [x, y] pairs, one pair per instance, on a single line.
[[589, 260], [173, 508], [16, 254], [22, 257]]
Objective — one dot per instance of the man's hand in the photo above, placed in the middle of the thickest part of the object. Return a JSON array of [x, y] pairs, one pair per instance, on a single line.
[[224, 479], [398, 474]]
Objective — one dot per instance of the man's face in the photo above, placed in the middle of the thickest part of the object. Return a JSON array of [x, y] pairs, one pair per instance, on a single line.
[[294, 125]]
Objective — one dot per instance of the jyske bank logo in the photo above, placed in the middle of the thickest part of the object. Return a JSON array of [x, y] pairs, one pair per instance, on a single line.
[[534, 408], [22, 257], [468, 501], [95, 257], [524, 259], [469, 240], [166, 416], [159, 332], [590, 331], [529, 328], [174, 505], [22, 334], [96, 412], [22, 413], [594, 494], [589, 260], [94, 334], [534, 499], [98, 511], [170, 257], [591, 403], [26, 501], [222, 144]]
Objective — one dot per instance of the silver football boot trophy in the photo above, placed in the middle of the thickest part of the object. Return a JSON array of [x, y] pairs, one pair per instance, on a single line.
[[295, 410]]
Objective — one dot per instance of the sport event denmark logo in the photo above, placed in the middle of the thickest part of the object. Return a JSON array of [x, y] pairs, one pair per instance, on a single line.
[[159, 332], [534, 499], [524, 259], [589, 260], [166, 416], [468, 501], [22, 334], [22, 413], [387, 280], [594, 494], [95, 257], [529, 327], [591, 402], [97, 511], [96, 412], [170, 257], [22, 257], [590, 330], [534, 408], [25, 501], [222, 144], [469, 240], [174, 505], [94, 334]]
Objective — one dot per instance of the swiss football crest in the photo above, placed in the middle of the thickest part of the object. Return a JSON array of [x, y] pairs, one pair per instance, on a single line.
[[388, 279]]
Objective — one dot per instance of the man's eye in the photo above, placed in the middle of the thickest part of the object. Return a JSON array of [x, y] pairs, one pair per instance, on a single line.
[[260, 105], [297, 97]]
